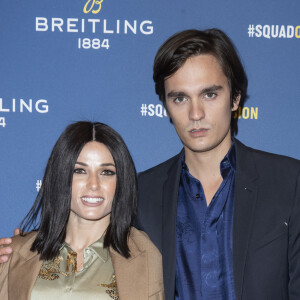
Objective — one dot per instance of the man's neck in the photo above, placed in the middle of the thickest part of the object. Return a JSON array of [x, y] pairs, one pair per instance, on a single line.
[[206, 165]]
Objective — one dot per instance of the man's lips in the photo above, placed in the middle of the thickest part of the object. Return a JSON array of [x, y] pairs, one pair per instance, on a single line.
[[198, 129], [198, 132]]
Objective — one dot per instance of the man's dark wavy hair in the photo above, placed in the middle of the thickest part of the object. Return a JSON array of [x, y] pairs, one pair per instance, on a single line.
[[178, 48], [50, 211]]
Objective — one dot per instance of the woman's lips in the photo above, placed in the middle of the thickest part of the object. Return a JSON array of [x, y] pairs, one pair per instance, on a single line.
[[92, 200]]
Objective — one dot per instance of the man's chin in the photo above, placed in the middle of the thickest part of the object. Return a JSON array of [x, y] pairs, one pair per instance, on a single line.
[[199, 147], [205, 146]]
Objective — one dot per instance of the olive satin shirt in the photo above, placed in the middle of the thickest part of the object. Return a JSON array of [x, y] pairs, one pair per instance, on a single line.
[[138, 277], [58, 278]]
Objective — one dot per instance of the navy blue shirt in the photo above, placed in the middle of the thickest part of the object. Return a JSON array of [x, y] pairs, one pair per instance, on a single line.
[[204, 267]]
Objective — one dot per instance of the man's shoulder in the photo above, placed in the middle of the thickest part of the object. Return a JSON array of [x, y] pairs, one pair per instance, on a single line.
[[267, 159], [160, 168]]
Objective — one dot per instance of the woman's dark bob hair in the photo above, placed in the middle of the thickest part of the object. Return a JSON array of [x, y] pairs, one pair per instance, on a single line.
[[50, 211]]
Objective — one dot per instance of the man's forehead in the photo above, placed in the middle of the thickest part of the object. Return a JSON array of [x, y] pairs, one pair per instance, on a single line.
[[201, 71]]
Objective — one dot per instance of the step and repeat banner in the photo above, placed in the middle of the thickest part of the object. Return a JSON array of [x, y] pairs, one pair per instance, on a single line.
[[65, 60]]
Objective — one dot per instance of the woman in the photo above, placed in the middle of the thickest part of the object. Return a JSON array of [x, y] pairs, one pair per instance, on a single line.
[[83, 246]]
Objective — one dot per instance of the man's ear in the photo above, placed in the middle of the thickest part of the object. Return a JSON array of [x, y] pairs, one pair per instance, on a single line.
[[236, 102]]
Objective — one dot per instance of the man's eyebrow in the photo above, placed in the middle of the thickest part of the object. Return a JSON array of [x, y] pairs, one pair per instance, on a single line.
[[174, 94], [210, 89], [102, 165]]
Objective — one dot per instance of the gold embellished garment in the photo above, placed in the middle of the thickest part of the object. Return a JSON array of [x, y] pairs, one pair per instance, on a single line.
[[138, 277], [58, 278]]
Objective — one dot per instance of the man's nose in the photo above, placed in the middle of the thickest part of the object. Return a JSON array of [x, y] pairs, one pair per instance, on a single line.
[[196, 110]]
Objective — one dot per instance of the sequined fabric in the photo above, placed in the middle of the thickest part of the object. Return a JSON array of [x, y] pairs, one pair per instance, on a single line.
[[58, 278]]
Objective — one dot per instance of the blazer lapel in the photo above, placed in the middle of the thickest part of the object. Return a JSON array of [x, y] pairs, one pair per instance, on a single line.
[[170, 195], [131, 274], [244, 205], [24, 269]]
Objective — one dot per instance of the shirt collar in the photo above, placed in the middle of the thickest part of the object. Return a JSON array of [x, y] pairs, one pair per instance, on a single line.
[[97, 248], [227, 163]]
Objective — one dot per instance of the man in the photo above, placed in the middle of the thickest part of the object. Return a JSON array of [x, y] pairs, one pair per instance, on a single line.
[[224, 216]]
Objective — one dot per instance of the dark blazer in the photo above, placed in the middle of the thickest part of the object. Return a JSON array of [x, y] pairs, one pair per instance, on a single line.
[[266, 230]]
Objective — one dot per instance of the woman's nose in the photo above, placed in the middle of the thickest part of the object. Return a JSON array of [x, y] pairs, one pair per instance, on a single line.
[[93, 182]]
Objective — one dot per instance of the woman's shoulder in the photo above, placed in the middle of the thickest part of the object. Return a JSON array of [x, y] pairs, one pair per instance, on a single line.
[[21, 241], [141, 240], [139, 236]]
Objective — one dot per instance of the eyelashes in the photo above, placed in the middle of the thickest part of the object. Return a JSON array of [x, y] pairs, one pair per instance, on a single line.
[[210, 95], [105, 172], [108, 172], [79, 171]]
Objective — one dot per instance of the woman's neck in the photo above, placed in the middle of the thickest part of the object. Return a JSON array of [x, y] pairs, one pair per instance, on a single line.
[[81, 233]]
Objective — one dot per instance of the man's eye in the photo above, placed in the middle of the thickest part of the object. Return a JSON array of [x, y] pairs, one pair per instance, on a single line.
[[210, 95], [79, 171], [108, 172], [179, 99]]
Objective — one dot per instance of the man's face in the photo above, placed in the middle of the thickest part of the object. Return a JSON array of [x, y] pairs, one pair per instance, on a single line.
[[198, 102]]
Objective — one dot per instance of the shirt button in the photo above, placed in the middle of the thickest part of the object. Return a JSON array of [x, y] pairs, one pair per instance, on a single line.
[[197, 196]]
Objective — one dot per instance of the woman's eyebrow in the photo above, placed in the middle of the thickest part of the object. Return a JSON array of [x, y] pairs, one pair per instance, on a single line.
[[107, 165], [81, 163], [102, 165]]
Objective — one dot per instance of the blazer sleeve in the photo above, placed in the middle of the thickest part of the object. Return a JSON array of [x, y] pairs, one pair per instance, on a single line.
[[294, 246], [154, 262], [4, 267]]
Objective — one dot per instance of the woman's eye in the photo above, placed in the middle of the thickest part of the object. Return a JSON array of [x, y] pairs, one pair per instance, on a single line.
[[108, 172], [79, 171]]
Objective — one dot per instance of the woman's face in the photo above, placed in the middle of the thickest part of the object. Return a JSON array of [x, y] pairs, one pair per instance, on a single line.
[[94, 183]]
